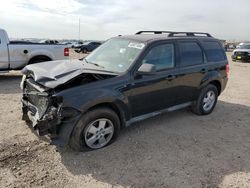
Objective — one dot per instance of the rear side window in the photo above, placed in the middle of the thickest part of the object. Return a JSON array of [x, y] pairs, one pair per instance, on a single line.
[[190, 54], [214, 51]]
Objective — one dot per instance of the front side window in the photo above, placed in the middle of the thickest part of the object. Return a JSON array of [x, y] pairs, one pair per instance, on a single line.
[[116, 55], [162, 56], [190, 54]]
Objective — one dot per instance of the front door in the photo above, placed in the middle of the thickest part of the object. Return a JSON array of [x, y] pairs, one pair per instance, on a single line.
[[150, 93]]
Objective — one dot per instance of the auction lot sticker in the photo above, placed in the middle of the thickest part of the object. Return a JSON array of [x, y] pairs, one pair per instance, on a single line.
[[136, 45]]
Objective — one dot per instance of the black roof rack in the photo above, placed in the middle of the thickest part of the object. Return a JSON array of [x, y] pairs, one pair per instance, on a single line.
[[154, 32], [175, 33]]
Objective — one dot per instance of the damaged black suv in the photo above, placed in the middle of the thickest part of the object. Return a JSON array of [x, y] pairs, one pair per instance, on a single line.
[[84, 103]]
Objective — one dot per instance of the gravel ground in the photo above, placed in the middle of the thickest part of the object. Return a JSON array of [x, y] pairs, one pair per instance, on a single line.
[[178, 149]]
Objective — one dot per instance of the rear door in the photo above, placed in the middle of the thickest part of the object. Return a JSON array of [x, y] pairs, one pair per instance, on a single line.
[[191, 70]]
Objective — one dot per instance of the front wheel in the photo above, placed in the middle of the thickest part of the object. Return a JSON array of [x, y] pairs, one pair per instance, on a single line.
[[206, 101], [96, 129]]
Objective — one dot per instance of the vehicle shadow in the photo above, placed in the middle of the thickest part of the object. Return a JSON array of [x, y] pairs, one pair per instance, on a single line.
[[10, 83], [178, 149]]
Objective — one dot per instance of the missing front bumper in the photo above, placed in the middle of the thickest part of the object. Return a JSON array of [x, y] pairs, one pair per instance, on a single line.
[[47, 124], [59, 129]]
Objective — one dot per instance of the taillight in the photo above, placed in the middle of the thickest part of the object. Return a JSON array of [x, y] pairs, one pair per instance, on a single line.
[[227, 70], [66, 51]]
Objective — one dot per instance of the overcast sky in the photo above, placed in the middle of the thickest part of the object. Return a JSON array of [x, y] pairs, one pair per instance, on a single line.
[[101, 19]]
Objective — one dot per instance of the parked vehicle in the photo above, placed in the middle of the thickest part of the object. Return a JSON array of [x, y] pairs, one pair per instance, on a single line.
[[242, 52], [49, 41], [77, 44], [15, 55], [85, 103], [88, 47], [68, 44]]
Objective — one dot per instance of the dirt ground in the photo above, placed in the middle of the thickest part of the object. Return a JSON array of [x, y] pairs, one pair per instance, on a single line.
[[178, 149]]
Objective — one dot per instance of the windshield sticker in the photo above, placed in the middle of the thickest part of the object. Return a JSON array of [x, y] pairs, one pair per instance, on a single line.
[[136, 45], [122, 50], [120, 65]]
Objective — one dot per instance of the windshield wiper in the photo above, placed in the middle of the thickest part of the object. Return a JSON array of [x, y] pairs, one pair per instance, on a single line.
[[96, 65], [92, 63], [84, 59]]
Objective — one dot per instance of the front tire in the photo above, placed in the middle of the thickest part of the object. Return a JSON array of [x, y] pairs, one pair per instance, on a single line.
[[95, 129], [206, 100]]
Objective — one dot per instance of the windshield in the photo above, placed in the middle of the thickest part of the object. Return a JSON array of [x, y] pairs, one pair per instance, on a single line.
[[115, 55], [244, 46]]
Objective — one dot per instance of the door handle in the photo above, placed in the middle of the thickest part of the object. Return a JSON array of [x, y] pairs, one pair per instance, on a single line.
[[170, 77], [203, 70]]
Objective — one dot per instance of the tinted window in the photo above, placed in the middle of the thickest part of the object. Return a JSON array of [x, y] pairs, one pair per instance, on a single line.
[[214, 52], [162, 56], [190, 53]]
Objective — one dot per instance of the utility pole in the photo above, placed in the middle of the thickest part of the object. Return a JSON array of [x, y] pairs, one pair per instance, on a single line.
[[79, 30]]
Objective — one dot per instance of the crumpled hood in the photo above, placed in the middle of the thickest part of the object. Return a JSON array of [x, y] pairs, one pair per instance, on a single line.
[[54, 73]]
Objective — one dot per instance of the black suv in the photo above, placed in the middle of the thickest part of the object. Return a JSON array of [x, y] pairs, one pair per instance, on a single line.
[[88, 47], [85, 103]]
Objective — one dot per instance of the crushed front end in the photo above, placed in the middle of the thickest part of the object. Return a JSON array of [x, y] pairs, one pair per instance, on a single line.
[[40, 107]]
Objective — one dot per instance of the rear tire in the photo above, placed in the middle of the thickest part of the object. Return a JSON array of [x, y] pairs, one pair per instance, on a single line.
[[89, 133], [206, 100]]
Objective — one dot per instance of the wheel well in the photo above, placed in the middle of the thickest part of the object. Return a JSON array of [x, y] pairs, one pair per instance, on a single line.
[[217, 84], [113, 107], [39, 57]]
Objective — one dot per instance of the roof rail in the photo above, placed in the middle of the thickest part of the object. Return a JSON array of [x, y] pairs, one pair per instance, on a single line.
[[175, 33], [154, 32]]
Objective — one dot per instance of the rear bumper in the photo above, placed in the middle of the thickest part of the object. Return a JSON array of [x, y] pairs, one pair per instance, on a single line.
[[223, 84]]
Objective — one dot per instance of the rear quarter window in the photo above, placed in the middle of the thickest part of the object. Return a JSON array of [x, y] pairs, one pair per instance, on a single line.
[[214, 52]]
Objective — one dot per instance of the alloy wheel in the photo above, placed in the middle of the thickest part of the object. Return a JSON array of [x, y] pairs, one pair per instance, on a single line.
[[209, 100], [98, 133]]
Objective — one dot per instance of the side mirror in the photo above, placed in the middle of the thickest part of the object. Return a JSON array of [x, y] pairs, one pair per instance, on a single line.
[[146, 68]]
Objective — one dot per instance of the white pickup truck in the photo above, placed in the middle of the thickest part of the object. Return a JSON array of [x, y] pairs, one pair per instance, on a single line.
[[14, 55]]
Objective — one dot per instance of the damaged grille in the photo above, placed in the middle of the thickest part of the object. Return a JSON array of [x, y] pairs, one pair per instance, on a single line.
[[38, 100]]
